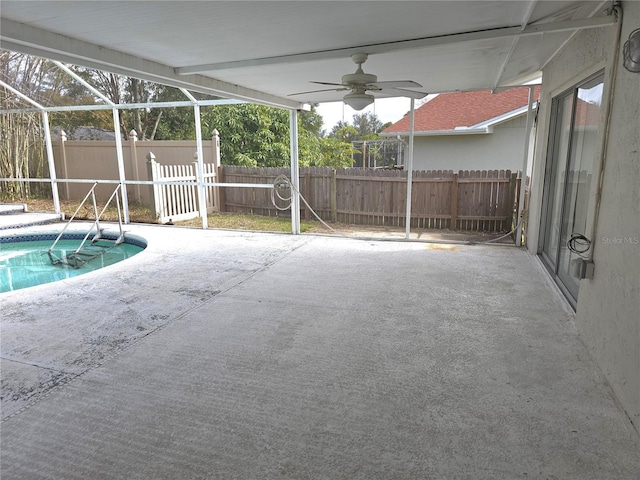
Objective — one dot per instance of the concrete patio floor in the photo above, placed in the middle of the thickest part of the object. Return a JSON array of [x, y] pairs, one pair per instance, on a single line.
[[233, 355]]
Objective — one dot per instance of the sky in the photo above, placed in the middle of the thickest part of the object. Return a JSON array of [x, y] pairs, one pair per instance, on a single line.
[[386, 109]]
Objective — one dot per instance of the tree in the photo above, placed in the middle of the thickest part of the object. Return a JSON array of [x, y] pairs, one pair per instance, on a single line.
[[344, 132], [176, 123], [335, 153], [257, 135], [311, 121], [120, 89], [250, 135], [366, 126], [21, 145]]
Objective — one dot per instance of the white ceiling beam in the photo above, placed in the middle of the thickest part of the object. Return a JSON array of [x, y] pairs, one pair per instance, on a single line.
[[119, 106], [527, 14], [525, 21], [598, 8], [30, 40], [426, 42]]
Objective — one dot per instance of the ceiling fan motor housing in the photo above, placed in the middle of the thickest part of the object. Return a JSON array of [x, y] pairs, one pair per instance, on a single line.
[[359, 78]]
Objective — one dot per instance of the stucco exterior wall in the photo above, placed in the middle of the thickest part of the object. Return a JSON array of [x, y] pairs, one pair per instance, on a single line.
[[501, 150], [608, 307]]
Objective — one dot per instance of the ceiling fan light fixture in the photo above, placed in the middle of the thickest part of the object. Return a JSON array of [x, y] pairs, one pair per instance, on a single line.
[[358, 101]]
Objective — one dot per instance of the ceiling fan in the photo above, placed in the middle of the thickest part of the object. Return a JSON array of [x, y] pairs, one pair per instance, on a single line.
[[360, 83]]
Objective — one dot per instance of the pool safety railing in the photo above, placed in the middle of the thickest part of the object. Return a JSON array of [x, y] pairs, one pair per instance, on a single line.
[[87, 252]]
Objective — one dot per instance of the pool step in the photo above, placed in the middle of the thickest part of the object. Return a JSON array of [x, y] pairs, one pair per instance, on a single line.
[[12, 208], [81, 257], [17, 216], [86, 253]]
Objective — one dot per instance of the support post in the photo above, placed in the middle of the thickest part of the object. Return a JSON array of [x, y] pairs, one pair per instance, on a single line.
[[525, 161], [295, 174], [63, 162], [409, 167], [514, 193], [133, 155], [215, 144], [202, 202], [154, 190], [51, 162], [365, 162], [121, 173], [191, 191]]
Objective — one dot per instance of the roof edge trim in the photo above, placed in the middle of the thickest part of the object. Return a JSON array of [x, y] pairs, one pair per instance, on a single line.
[[439, 133]]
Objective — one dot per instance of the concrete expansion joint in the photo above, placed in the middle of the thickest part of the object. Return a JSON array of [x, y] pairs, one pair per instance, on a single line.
[[114, 354], [41, 396], [31, 364]]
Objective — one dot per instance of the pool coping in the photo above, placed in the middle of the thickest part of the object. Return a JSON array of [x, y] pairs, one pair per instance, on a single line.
[[22, 236]]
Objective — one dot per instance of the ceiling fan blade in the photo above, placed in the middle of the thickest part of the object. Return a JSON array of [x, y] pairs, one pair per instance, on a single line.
[[318, 91], [397, 84], [399, 92], [328, 83]]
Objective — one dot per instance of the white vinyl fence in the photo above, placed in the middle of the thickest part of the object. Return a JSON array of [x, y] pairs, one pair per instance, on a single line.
[[174, 202]]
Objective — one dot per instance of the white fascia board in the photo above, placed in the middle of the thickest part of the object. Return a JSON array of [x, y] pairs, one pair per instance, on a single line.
[[505, 117], [479, 128], [439, 133], [19, 37]]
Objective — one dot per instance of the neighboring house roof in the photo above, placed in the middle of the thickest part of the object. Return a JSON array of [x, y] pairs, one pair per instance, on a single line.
[[465, 112], [85, 133], [587, 114]]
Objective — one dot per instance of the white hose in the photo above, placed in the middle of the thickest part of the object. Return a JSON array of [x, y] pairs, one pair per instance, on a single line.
[[279, 184]]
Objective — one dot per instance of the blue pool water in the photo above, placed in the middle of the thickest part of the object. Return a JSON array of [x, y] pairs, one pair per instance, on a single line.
[[24, 261]]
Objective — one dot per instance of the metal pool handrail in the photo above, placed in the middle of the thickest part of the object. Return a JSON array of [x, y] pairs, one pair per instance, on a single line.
[[96, 223]]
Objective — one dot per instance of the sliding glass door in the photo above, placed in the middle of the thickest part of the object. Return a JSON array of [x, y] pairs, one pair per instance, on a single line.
[[571, 158]]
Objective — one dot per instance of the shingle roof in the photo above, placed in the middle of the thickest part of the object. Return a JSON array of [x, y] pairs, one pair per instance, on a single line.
[[463, 109], [587, 114]]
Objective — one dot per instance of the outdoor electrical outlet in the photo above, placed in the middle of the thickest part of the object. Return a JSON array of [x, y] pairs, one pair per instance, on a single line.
[[588, 270], [583, 269]]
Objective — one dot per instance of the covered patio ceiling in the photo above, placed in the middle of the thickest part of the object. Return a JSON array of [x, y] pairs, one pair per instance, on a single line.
[[264, 51]]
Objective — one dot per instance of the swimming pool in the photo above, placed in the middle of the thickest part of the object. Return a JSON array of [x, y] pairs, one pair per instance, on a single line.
[[24, 261]]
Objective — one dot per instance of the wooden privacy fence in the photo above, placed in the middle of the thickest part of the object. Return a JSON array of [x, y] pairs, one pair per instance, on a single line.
[[173, 202], [464, 200]]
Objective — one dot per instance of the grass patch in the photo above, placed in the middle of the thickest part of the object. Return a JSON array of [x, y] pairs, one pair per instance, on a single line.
[[137, 213], [239, 221], [142, 214]]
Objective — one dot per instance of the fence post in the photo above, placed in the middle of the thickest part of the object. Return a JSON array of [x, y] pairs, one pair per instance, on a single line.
[[307, 192], [515, 184], [334, 196], [220, 179], [454, 202], [215, 144], [152, 169], [63, 160], [133, 155]]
